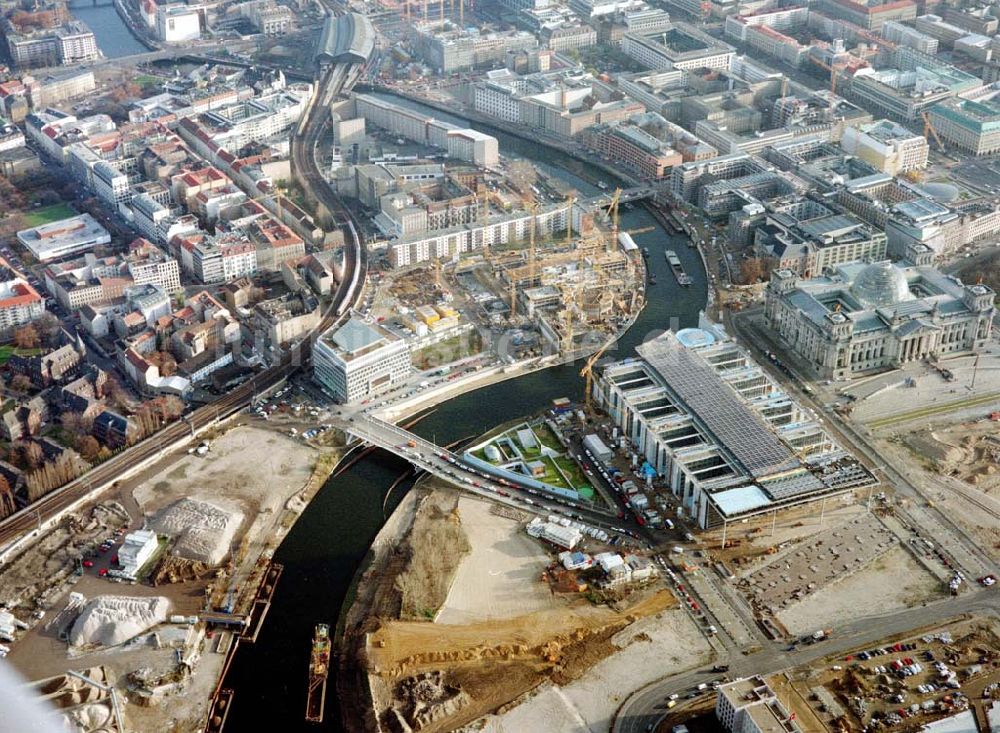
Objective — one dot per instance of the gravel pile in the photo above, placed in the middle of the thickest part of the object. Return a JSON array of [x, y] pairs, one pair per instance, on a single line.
[[203, 531], [113, 620]]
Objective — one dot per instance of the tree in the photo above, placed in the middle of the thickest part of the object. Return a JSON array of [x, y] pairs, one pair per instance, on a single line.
[[8, 504], [26, 337], [76, 424], [117, 394], [20, 383], [48, 327], [752, 270], [88, 447], [33, 455]]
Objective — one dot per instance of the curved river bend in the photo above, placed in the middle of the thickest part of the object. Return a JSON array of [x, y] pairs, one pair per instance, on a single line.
[[326, 545]]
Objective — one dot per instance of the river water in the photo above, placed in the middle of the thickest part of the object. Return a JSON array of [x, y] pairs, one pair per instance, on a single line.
[[113, 36], [326, 545]]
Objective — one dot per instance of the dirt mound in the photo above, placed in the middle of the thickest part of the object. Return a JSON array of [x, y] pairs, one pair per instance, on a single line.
[[435, 548], [402, 648]]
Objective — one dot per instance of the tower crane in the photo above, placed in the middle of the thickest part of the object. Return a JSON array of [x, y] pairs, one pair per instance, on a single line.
[[613, 210], [588, 370], [571, 200], [833, 69], [928, 127]]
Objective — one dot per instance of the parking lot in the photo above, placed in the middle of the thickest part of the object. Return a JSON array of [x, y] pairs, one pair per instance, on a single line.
[[829, 556]]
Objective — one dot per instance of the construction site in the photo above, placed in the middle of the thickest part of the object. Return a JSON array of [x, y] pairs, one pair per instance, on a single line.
[[490, 625], [550, 292]]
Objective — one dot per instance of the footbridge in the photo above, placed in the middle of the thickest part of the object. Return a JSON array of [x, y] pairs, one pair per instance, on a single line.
[[627, 196]]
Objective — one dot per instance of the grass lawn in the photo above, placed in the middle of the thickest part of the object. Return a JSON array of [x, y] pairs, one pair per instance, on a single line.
[[449, 350], [572, 471], [145, 80], [547, 438], [47, 214], [8, 350]]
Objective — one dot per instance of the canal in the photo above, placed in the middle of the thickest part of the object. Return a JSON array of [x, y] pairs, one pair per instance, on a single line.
[[326, 545], [112, 35]]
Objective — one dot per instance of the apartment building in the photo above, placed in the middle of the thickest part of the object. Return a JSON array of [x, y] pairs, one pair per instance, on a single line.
[[66, 45], [20, 303], [904, 35]]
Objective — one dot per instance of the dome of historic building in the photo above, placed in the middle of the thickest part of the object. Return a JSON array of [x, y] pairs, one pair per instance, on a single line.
[[881, 284]]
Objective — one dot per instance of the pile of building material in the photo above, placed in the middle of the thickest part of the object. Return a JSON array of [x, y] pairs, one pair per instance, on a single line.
[[422, 701], [204, 531], [113, 620]]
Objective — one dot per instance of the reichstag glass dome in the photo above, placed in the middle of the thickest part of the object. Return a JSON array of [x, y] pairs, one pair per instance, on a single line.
[[881, 284]]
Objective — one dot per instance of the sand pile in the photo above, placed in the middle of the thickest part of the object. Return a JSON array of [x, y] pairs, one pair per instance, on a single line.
[[113, 620], [204, 531]]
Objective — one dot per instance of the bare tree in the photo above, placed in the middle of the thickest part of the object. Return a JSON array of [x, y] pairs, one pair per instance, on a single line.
[[26, 337], [8, 505], [88, 447], [76, 424], [20, 383]]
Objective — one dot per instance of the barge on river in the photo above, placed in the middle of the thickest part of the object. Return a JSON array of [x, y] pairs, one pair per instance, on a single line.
[[675, 265], [319, 668]]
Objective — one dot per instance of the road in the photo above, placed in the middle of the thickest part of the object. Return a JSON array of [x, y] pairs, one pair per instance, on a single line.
[[646, 707]]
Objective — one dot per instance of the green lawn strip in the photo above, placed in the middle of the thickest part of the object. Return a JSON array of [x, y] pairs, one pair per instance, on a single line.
[[48, 214]]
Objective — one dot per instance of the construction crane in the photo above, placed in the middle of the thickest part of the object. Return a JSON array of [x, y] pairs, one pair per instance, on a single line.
[[833, 69], [613, 210], [533, 209], [570, 201], [588, 370], [928, 127]]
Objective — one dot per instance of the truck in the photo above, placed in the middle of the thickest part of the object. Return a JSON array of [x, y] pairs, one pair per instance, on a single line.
[[820, 635]]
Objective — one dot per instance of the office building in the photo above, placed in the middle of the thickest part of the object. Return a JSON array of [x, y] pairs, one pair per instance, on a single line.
[[971, 125], [809, 238], [136, 550], [750, 706], [866, 318], [683, 47], [357, 360], [889, 147], [869, 14], [726, 439], [904, 35], [936, 27], [634, 148], [177, 23]]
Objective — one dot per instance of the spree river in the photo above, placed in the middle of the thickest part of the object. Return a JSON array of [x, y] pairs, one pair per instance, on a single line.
[[112, 35], [326, 545]]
